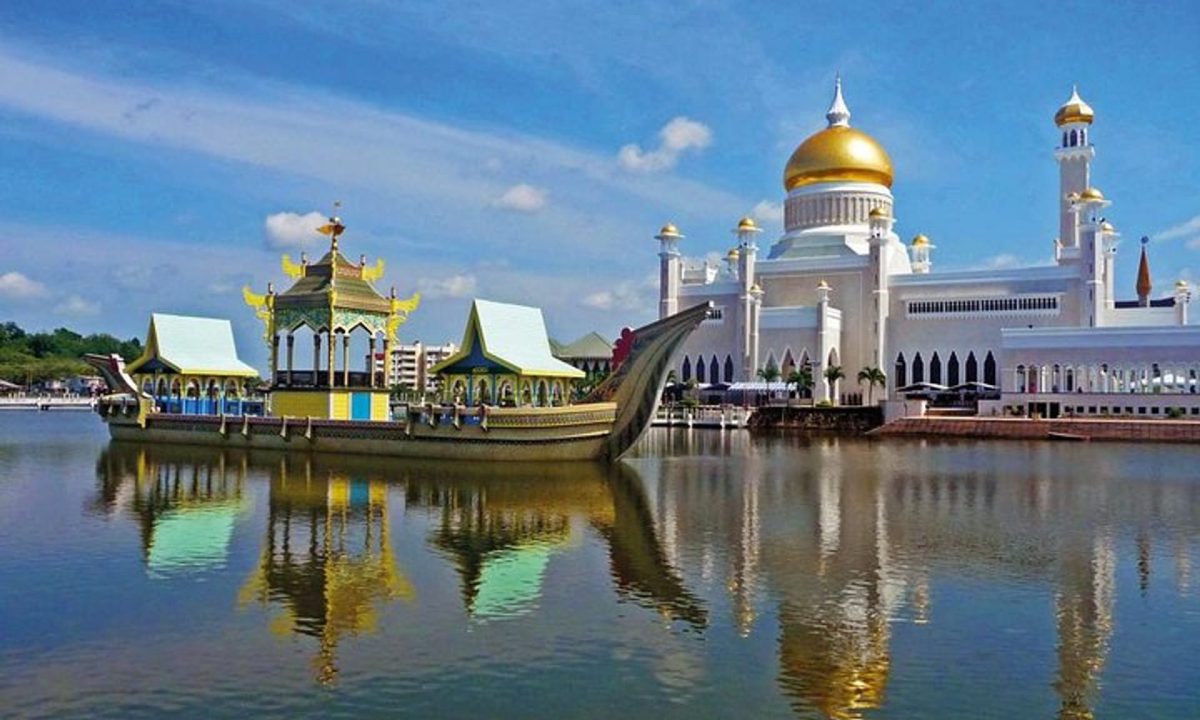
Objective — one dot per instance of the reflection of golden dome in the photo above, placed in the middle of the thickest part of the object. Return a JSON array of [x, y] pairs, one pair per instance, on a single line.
[[1091, 194], [1074, 110], [920, 240], [838, 154]]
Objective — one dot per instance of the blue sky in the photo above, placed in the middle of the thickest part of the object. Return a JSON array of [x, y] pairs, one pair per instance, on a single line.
[[485, 148]]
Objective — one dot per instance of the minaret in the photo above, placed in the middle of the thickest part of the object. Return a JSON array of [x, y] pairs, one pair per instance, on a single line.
[[921, 247], [880, 221], [1074, 157], [1143, 279], [750, 294], [1183, 297], [670, 266], [1092, 254]]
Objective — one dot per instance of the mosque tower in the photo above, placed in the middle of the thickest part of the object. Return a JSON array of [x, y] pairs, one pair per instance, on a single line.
[[1074, 157], [670, 267]]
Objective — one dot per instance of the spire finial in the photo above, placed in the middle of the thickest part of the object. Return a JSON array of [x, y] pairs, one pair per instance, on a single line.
[[839, 114]]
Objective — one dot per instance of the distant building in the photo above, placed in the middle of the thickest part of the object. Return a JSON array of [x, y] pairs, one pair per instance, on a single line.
[[409, 367], [85, 385], [591, 353]]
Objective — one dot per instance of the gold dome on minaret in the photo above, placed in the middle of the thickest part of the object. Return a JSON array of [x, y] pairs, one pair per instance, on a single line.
[[1074, 110], [839, 153]]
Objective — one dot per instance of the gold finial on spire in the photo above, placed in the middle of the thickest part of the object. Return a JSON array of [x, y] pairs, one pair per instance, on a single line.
[[334, 227]]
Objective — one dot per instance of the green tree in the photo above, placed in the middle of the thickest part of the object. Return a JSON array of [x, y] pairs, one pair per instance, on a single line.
[[833, 373], [769, 374], [801, 379], [872, 376]]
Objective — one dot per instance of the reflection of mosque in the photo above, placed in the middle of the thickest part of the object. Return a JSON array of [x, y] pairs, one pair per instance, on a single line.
[[855, 540], [185, 508]]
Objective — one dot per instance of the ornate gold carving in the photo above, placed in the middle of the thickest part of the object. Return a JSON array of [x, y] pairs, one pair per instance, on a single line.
[[291, 269], [371, 274], [264, 307], [400, 312]]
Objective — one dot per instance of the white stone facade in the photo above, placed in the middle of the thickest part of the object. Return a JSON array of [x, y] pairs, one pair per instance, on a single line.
[[840, 288]]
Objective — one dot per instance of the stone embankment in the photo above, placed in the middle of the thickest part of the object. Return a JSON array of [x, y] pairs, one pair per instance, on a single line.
[[1029, 429], [842, 420]]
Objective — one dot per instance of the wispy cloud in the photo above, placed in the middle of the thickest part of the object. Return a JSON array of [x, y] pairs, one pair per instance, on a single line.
[[76, 306], [521, 198], [16, 286], [1188, 230], [455, 286], [627, 297], [292, 230], [767, 211], [678, 136]]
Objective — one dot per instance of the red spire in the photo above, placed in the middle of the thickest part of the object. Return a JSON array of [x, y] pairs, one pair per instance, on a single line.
[[1143, 278]]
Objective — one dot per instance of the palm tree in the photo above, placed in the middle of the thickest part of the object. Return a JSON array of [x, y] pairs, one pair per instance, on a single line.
[[872, 376], [801, 378], [768, 374], [833, 373]]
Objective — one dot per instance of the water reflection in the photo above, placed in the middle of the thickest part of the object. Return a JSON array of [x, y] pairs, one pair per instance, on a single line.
[[837, 555], [186, 509]]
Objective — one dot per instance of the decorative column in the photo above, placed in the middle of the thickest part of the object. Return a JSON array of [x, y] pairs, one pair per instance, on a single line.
[[274, 358], [371, 360], [316, 377], [346, 359], [331, 356], [291, 356]]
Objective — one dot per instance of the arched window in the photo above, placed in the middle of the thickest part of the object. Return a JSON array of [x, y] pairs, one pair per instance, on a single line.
[[686, 372], [901, 371], [700, 369], [714, 370], [935, 369], [918, 369], [1074, 138], [728, 369], [952, 369], [972, 368], [788, 364], [989, 369], [1064, 138]]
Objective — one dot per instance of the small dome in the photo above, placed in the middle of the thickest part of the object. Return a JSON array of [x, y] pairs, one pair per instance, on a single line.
[[920, 240], [1107, 227], [733, 255], [1091, 195], [879, 212], [669, 230], [1181, 284], [823, 285], [756, 289], [747, 223], [1074, 110]]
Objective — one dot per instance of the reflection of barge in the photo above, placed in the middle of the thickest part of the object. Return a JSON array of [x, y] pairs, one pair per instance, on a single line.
[[504, 400]]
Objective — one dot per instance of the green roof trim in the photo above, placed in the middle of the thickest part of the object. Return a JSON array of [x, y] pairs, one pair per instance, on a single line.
[[512, 336], [191, 346]]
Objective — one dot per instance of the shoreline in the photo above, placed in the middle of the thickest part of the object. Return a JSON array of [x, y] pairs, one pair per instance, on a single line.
[[1058, 429]]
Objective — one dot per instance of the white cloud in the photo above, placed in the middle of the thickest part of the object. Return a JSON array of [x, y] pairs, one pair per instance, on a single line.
[[1188, 229], [767, 211], [521, 198], [455, 286], [1003, 261], [16, 286], [292, 230], [677, 137], [76, 306], [1194, 243], [624, 296]]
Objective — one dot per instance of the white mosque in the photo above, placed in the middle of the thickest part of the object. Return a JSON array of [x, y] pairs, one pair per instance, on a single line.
[[841, 288]]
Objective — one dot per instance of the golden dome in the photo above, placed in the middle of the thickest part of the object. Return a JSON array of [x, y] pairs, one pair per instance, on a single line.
[[1181, 284], [1107, 227], [747, 223], [1091, 194], [756, 289], [838, 154], [669, 230], [879, 212], [1074, 110], [823, 286], [920, 240], [733, 255]]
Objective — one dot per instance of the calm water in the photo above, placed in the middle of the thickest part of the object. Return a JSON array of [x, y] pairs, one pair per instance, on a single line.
[[712, 576]]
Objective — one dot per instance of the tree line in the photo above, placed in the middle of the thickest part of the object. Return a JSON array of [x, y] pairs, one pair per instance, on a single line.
[[27, 357]]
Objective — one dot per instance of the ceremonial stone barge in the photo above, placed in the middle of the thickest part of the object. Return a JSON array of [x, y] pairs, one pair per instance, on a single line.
[[505, 397]]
